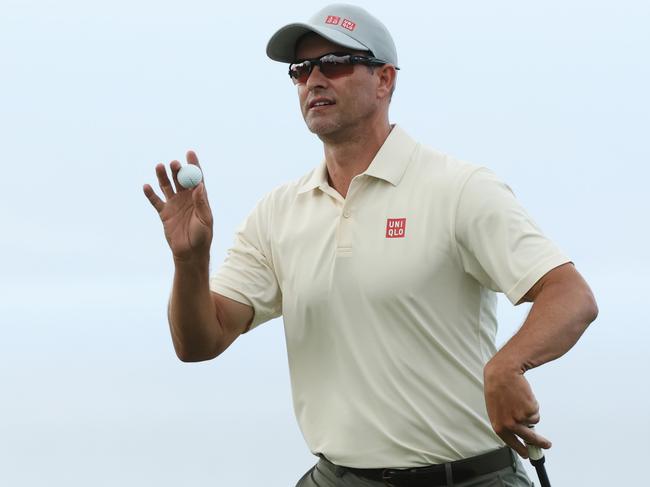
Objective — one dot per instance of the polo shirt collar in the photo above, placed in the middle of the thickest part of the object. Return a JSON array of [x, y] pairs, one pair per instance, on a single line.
[[317, 179], [393, 157], [389, 164]]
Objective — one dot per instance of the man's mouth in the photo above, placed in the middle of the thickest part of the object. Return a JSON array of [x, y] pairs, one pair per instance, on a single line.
[[320, 102]]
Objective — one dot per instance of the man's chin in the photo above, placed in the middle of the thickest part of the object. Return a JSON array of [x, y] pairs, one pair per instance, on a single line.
[[322, 127]]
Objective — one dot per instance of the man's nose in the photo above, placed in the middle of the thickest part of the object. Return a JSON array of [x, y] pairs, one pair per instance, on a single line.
[[315, 78]]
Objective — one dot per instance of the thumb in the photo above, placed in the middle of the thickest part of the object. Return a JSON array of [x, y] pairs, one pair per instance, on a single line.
[[200, 200]]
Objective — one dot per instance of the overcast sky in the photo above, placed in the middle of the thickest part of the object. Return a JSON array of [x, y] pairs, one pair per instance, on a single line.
[[552, 96]]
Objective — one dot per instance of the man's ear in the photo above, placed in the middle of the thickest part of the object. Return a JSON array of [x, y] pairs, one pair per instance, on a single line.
[[387, 77]]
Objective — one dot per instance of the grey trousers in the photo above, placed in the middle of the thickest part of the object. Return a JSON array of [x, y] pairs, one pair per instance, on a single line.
[[325, 474]]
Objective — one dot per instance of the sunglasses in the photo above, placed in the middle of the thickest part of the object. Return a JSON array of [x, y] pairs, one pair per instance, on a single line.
[[332, 65]]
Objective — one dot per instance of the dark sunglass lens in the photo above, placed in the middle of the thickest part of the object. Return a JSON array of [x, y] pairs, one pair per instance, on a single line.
[[330, 65], [300, 72], [334, 66], [336, 69]]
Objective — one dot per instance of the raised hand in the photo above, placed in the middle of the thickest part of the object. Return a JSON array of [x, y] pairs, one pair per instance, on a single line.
[[185, 213]]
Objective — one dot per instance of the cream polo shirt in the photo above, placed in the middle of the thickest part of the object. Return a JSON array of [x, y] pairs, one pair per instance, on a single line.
[[388, 299]]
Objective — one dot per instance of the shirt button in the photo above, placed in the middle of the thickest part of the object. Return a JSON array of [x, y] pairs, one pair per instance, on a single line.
[[346, 214]]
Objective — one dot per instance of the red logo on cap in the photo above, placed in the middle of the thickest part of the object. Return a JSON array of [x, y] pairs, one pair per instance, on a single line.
[[332, 19], [396, 228], [348, 24]]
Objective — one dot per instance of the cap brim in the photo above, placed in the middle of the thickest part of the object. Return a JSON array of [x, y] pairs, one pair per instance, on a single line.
[[282, 45]]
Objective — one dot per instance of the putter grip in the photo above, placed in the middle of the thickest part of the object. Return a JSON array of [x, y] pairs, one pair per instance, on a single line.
[[536, 456], [534, 452]]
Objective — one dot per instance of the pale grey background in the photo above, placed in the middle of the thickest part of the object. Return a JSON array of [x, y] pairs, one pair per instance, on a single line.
[[552, 96]]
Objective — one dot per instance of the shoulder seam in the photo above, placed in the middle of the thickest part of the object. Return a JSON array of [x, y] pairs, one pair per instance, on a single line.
[[461, 189]]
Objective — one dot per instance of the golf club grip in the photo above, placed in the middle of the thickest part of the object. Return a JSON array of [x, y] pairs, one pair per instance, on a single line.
[[537, 459], [534, 452]]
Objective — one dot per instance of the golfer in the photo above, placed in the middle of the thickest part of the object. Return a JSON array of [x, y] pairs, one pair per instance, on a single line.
[[384, 262]]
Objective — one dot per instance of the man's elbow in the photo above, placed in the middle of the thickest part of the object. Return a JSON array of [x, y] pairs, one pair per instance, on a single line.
[[193, 359], [189, 354], [577, 290], [590, 307], [582, 303]]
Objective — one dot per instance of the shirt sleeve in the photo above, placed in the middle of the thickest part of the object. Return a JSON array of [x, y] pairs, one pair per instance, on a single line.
[[247, 274], [497, 241]]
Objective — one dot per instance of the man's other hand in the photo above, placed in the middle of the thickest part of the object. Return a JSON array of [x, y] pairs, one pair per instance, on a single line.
[[512, 408]]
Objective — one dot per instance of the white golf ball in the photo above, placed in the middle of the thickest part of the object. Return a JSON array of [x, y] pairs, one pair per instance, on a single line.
[[189, 176]]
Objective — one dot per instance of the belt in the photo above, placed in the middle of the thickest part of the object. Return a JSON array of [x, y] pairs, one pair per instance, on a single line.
[[439, 474]]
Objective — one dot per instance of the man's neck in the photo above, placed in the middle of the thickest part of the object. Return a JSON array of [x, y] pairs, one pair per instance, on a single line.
[[351, 156]]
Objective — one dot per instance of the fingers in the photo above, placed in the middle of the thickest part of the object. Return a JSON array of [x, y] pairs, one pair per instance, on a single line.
[[192, 158], [175, 166], [168, 190], [533, 419], [153, 198], [512, 441], [163, 181], [531, 437], [200, 200], [513, 437]]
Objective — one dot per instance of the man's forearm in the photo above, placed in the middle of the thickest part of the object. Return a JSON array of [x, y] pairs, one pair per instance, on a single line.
[[563, 307], [193, 319], [561, 311]]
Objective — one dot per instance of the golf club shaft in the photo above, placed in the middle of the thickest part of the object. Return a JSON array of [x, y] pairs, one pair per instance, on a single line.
[[541, 472]]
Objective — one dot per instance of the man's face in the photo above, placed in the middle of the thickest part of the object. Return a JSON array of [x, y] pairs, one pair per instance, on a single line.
[[351, 100]]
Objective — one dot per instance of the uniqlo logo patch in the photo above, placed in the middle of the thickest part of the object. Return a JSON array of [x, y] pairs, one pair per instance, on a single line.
[[348, 24], [332, 19], [396, 228]]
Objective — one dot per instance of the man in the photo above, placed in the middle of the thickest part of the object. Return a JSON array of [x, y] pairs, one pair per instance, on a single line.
[[384, 262]]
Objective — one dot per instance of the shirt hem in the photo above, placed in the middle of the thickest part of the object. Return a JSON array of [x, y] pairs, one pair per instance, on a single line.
[[236, 296]]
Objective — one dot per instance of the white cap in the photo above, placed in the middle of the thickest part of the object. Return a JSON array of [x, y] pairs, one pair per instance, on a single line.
[[347, 25]]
